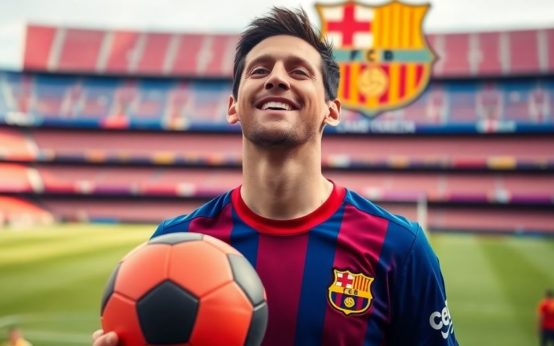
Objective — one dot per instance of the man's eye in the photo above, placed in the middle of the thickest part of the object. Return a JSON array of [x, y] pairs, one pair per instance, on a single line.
[[300, 72], [258, 70]]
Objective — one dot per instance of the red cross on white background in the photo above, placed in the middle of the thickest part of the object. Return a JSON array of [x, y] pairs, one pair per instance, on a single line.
[[344, 280], [348, 26]]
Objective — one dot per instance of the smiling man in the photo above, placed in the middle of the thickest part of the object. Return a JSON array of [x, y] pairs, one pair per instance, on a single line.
[[282, 99], [337, 268]]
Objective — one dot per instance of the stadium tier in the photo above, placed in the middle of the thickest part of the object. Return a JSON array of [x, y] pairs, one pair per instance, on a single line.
[[15, 210], [87, 193], [14, 178], [456, 187], [77, 50], [458, 152], [520, 105], [519, 219], [133, 210], [124, 126]]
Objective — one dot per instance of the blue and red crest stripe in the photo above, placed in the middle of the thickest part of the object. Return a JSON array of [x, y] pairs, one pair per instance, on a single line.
[[339, 298], [360, 302]]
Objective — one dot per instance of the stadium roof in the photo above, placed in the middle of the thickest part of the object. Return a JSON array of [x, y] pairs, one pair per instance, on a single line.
[[213, 16]]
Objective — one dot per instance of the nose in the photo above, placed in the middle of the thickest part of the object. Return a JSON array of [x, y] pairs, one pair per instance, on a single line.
[[277, 78]]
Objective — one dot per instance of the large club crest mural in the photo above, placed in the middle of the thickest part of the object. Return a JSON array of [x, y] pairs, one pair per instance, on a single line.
[[385, 62]]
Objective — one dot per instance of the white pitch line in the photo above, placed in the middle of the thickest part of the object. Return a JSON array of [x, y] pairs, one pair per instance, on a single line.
[[58, 337], [9, 320], [36, 335]]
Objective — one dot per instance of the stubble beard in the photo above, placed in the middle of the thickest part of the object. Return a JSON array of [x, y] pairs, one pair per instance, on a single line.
[[279, 138]]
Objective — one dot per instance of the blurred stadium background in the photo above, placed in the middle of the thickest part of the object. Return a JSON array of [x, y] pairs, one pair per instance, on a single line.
[[106, 132]]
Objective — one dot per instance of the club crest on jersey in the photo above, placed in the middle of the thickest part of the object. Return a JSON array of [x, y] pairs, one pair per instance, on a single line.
[[350, 292], [383, 56]]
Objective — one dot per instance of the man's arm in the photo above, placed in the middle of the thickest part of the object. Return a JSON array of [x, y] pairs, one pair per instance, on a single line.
[[420, 311]]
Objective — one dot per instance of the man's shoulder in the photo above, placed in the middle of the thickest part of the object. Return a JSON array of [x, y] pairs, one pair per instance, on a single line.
[[400, 235], [366, 206], [210, 209]]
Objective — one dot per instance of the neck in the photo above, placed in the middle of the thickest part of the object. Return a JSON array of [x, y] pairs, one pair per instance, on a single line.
[[283, 184]]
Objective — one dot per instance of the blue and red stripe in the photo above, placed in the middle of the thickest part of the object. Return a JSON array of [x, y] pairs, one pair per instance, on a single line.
[[296, 259], [364, 233], [318, 275]]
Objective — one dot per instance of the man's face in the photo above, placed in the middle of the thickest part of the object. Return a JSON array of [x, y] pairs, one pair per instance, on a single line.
[[281, 98]]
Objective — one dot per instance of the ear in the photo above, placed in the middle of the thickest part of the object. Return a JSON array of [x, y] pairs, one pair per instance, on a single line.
[[232, 114], [333, 118]]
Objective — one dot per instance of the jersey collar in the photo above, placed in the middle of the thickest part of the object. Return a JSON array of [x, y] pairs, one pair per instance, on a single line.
[[288, 227]]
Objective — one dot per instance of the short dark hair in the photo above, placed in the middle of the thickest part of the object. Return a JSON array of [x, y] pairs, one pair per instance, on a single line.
[[282, 21]]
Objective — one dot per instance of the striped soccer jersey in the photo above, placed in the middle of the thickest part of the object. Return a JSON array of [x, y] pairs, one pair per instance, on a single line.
[[349, 273]]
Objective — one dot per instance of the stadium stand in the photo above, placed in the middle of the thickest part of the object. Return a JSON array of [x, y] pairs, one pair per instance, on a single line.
[[19, 211], [453, 186], [395, 152], [127, 126], [15, 178], [132, 210], [468, 106], [15, 146]]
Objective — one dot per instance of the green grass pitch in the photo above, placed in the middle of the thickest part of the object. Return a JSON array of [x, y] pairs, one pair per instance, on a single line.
[[52, 279]]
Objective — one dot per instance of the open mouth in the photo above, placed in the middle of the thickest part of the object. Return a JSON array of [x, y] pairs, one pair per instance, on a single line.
[[278, 105]]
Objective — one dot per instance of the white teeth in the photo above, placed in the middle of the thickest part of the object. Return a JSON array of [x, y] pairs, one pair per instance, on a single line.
[[276, 105]]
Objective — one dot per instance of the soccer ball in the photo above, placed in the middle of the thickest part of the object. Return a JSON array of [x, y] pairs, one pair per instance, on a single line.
[[185, 288]]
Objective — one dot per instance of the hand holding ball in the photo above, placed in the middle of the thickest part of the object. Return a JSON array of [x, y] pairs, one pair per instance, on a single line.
[[185, 288]]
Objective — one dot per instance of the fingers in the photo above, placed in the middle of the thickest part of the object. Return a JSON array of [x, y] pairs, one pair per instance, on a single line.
[[97, 334], [101, 339]]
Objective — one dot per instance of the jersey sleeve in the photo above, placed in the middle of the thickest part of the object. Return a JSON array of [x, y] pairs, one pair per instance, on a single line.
[[159, 230], [176, 224], [420, 310]]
